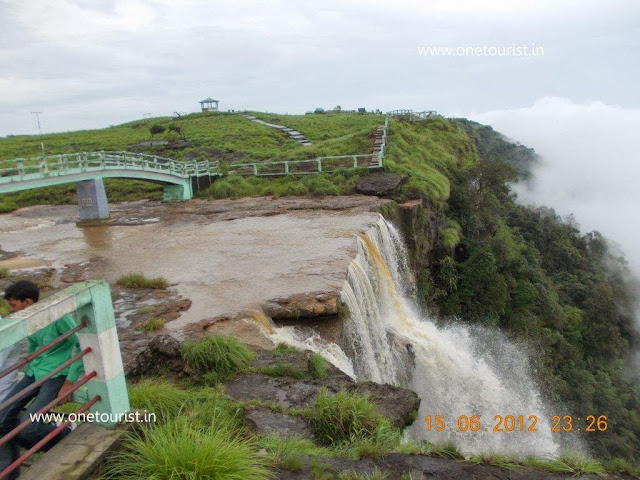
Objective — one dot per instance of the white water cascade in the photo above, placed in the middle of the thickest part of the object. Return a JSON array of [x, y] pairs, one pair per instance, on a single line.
[[456, 371]]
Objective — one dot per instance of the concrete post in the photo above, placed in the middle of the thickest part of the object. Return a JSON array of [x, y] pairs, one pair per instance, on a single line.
[[92, 200]]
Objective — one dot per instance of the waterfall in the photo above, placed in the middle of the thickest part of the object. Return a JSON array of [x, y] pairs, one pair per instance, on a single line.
[[456, 371]]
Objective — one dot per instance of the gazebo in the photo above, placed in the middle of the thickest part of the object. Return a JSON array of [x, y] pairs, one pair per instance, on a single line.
[[209, 105]]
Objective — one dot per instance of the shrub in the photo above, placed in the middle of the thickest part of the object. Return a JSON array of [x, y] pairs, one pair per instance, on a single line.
[[317, 366], [344, 418], [156, 129], [4, 272], [138, 280], [177, 451], [217, 356]]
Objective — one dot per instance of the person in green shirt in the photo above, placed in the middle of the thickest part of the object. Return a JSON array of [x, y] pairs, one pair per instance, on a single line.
[[20, 295]]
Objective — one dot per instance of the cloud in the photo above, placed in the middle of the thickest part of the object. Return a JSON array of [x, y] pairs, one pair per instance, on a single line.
[[278, 55], [591, 163]]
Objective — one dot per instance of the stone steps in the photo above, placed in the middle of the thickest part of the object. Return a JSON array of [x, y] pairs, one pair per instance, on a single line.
[[295, 135]]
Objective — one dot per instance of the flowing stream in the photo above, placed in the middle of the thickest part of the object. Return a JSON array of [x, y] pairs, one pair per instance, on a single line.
[[456, 371]]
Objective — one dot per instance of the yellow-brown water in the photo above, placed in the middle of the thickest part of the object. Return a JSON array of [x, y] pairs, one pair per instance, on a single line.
[[222, 266]]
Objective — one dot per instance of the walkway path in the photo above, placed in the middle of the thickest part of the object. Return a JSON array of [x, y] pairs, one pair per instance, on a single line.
[[297, 136]]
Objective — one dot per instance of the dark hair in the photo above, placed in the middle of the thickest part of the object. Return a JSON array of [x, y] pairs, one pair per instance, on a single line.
[[22, 290]]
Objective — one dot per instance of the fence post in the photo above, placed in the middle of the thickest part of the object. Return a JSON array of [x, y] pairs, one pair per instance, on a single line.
[[255, 170], [101, 335], [319, 165]]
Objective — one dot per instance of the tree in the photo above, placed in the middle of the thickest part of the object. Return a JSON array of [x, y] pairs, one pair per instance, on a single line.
[[156, 129]]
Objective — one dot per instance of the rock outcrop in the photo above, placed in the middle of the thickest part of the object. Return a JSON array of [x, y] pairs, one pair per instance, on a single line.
[[302, 305], [381, 184]]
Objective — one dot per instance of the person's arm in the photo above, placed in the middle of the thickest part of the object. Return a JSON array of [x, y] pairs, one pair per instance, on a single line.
[[63, 325]]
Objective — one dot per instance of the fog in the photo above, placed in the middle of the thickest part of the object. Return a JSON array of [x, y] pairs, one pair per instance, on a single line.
[[591, 163]]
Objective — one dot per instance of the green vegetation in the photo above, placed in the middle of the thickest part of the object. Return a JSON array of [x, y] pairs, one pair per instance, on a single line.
[[138, 280], [433, 152], [345, 419], [217, 356], [118, 190], [353, 475], [177, 450], [228, 138], [151, 324], [533, 274], [284, 349], [317, 366], [281, 369], [161, 397], [568, 463], [341, 183]]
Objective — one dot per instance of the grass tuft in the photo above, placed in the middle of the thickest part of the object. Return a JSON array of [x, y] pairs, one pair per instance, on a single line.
[[158, 396], [152, 324], [317, 366], [138, 280], [283, 349], [353, 475], [345, 419], [178, 451], [218, 357]]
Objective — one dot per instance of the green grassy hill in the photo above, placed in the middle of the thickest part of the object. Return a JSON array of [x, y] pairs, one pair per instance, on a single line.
[[217, 136], [228, 138]]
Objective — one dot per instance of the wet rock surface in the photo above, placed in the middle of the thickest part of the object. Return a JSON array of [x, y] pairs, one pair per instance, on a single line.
[[419, 467], [265, 421]]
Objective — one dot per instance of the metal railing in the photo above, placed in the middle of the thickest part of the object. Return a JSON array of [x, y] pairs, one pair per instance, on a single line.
[[102, 389], [300, 167], [16, 169]]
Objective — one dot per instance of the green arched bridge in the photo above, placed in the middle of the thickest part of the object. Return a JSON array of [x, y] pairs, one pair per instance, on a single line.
[[45, 171]]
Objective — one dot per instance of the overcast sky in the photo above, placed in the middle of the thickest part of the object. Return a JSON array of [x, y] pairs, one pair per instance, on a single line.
[[94, 63]]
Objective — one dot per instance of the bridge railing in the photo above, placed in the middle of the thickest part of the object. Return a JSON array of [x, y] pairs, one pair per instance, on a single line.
[[301, 167], [105, 160], [102, 389]]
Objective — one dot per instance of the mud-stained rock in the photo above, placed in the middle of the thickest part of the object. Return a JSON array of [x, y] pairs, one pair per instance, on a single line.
[[381, 183], [398, 405], [265, 421], [250, 327], [162, 354], [302, 305], [81, 272]]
